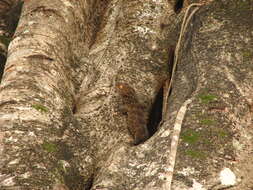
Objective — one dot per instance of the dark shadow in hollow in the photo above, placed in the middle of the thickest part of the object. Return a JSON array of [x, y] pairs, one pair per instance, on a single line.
[[178, 6], [155, 115], [2, 64]]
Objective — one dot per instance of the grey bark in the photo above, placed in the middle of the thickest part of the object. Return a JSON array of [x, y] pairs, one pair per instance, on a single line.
[[60, 126], [37, 94], [215, 71]]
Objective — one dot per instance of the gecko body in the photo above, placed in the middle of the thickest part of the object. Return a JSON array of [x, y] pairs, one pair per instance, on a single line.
[[136, 115]]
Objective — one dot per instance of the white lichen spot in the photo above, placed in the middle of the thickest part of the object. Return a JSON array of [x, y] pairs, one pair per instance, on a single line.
[[143, 30], [88, 159], [187, 171], [141, 166], [226, 95], [154, 46], [64, 165], [68, 4], [162, 176], [31, 23], [196, 186], [8, 117], [168, 169], [132, 164], [140, 155], [11, 139], [152, 170], [105, 183], [53, 72], [18, 132], [14, 161], [40, 166], [166, 133], [26, 175], [31, 133], [237, 145], [144, 146], [8, 182], [227, 177], [22, 108], [113, 167], [157, 1]]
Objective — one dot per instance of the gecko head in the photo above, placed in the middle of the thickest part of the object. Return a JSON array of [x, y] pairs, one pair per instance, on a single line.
[[125, 89]]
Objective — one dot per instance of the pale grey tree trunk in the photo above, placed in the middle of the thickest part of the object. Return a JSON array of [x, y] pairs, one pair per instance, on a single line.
[[42, 74], [216, 72], [61, 125]]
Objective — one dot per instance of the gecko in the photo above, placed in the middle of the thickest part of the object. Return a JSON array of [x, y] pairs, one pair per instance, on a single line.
[[137, 117]]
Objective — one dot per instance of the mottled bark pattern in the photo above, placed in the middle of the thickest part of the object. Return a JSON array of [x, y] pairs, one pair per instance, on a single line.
[[136, 117]]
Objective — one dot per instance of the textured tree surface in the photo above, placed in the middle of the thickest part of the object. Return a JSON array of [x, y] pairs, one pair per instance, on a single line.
[[82, 89]]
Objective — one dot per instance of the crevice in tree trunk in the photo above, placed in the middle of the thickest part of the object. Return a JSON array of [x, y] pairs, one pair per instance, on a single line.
[[178, 6], [98, 11], [2, 65], [155, 114], [89, 183], [10, 17], [75, 181]]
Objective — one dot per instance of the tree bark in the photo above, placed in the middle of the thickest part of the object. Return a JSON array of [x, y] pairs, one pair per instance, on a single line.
[[61, 117], [42, 73]]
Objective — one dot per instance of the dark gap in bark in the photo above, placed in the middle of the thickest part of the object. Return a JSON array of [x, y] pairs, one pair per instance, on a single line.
[[75, 181], [178, 6], [6, 2], [2, 64], [98, 11], [4, 7], [171, 59], [89, 183], [74, 109], [12, 17], [155, 115]]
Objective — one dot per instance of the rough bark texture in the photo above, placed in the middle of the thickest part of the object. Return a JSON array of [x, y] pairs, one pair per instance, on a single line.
[[42, 73], [61, 119], [216, 72]]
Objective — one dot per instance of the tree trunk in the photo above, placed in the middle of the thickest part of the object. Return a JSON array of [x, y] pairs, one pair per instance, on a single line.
[[81, 96]]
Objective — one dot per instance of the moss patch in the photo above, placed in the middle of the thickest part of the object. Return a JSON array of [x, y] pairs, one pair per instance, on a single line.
[[208, 121], [49, 147], [195, 154], [190, 136], [207, 98], [247, 55], [40, 108]]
